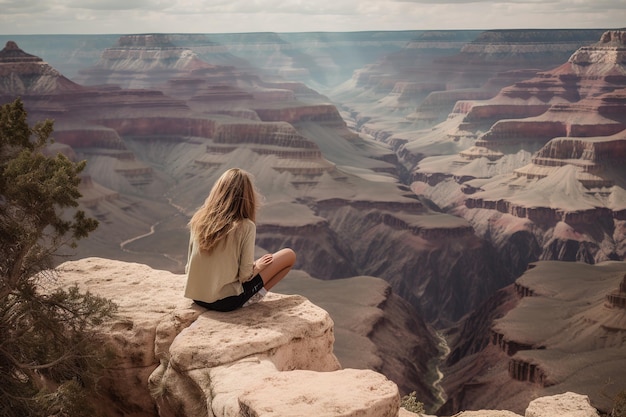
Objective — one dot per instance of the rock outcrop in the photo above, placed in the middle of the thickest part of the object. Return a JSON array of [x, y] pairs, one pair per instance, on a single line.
[[551, 156], [154, 55], [444, 68], [367, 315], [22, 73], [174, 358], [617, 298], [274, 358], [568, 404]]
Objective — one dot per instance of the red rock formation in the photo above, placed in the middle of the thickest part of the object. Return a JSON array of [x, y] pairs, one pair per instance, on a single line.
[[161, 125], [574, 118], [485, 63], [95, 137], [22, 73], [576, 346], [591, 154], [296, 113], [593, 163], [586, 118], [528, 372], [295, 87], [221, 94], [510, 347], [617, 298], [150, 115], [140, 61], [591, 82], [270, 133]]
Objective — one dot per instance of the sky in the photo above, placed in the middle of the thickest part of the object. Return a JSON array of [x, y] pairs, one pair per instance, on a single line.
[[235, 16]]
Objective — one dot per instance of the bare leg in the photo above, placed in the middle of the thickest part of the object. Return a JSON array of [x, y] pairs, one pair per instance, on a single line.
[[282, 262]]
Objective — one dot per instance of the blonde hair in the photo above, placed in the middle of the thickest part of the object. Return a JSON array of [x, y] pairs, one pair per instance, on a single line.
[[232, 199]]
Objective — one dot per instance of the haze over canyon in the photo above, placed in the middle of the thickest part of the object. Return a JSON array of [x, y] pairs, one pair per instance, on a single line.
[[457, 199]]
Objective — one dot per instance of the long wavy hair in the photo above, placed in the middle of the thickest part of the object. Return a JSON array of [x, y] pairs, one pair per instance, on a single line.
[[232, 199]]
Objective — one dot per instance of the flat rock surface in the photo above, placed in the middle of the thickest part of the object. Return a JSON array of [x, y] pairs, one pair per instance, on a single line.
[[306, 393]]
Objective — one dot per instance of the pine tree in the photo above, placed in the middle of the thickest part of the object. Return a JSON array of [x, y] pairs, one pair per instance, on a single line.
[[49, 355]]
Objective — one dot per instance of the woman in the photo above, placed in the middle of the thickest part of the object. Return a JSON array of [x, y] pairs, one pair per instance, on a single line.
[[221, 272]]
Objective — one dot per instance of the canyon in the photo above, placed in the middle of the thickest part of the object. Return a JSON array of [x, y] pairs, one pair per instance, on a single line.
[[275, 357], [417, 172]]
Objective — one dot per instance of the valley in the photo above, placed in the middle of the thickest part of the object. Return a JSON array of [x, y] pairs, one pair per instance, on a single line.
[[421, 177]]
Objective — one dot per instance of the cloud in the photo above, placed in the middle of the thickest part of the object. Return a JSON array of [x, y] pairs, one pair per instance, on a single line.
[[22, 6], [299, 7], [454, 2], [215, 16], [146, 5]]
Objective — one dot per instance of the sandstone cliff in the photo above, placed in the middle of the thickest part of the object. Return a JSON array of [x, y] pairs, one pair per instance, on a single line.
[[155, 56], [274, 358], [442, 68], [578, 347], [538, 171], [174, 358], [36, 76]]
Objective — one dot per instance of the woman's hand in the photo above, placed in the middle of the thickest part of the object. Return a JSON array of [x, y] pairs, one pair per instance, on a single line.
[[263, 262]]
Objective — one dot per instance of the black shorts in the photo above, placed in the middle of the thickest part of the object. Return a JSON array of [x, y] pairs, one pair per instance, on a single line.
[[234, 302]]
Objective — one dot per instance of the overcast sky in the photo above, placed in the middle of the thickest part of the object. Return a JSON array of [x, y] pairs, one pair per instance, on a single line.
[[219, 16]]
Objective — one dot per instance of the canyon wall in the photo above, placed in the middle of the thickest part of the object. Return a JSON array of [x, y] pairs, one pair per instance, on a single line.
[[433, 168], [144, 143], [171, 357], [537, 171], [546, 150], [152, 159], [578, 347]]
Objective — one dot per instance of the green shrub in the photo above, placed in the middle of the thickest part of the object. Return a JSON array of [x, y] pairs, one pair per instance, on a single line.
[[50, 356], [410, 403]]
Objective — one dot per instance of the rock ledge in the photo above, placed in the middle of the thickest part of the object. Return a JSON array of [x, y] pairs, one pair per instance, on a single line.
[[274, 358]]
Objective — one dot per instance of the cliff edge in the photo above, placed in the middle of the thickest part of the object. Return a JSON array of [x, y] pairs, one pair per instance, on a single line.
[[173, 358], [272, 359]]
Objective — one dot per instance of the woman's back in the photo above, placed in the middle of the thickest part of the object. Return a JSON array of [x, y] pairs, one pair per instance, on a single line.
[[220, 273]]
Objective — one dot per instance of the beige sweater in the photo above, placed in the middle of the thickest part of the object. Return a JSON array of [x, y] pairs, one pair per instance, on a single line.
[[219, 274]]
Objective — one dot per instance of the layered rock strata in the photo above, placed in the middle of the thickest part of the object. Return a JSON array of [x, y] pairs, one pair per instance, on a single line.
[[552, 156], [155, 55], [617, 298], [591, 166], [575, 99], [36, 76], [483, 64], [578, 347], [142, 143]]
